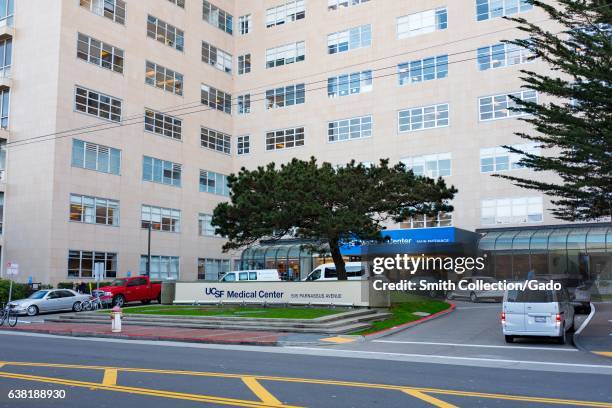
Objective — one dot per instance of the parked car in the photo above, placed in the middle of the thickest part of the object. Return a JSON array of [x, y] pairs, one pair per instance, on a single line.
[[464, 291], [327, 272], [433, 293], [531, 312], [49, 300], [125, 290], [262, 275]]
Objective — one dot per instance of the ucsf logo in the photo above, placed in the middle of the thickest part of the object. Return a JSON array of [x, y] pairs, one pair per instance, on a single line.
[[215, 292]]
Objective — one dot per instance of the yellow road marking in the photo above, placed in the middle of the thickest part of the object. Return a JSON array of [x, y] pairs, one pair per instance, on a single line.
[[141, 391], [338, 340], [428, 398], [604, 353], [110, 377], [401, 388], [261, 393]]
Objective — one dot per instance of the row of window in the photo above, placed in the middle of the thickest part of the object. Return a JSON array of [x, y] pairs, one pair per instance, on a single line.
[[105, 159], [102, 211], [81, 264], [293, 10]]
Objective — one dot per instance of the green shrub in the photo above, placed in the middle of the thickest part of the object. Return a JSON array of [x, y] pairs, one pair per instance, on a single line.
[[70, 285], [20, 290]]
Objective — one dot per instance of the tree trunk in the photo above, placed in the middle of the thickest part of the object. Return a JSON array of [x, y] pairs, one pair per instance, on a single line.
[[334, 248]]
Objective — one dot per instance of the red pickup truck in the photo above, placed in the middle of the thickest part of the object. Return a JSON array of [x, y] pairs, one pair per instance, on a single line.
[[136, 289]]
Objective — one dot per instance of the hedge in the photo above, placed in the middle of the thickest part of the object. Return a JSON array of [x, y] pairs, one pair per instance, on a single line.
[[20, 290], [70, 285]]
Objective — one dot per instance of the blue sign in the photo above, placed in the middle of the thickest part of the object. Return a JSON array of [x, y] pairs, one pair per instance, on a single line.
[[129, 274], [408, 237]]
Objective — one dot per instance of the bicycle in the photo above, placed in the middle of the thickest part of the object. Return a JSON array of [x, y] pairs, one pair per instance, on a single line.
[[10, 316], [94, 303]]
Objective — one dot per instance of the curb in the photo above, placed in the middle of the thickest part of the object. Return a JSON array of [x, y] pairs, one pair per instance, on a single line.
[[151, 338], [582, 327], [401, 327]]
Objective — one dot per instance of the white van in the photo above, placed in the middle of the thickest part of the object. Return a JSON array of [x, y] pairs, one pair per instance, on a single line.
[[327, 272], [537, 313], [262, 275]]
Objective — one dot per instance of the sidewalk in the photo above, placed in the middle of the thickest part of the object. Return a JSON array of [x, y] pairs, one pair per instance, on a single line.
[[596, 336], [154, 333], [209, 336]]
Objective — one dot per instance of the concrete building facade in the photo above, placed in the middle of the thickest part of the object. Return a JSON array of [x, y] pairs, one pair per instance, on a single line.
[[123, 114]]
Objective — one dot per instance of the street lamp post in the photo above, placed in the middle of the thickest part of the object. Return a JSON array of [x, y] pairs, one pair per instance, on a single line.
[[149, 250]]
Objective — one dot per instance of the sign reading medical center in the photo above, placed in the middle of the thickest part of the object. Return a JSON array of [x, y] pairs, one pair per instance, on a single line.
[[356, 293]]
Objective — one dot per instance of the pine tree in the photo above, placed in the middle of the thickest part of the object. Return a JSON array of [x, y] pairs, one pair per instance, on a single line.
[[574, 129], [324, 205]]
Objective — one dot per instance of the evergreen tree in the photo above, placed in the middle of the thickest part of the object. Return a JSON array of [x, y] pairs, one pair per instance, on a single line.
[[574, 127], [324, 205]]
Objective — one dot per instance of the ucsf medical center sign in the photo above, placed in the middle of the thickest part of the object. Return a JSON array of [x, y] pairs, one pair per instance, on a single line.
[[346, 293]]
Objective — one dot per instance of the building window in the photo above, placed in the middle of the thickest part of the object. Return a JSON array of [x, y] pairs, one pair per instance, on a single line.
[[349, 129], [6, 57], [243, 144], [94, 210], [97, 104], [498, 158], [426, 69], [349, 84], [162, 267], [244, 104], [1, 211], [5, 97], [111, 9], [353, 38], [164, 78], [285, 138], [161, 171], [285, 13], [442, 219], [511, 210], [214, 183], [285, 54], [2, 160], [99, 53], [337, 4], [216, 99], [244, 64], [163, 124], [216, 57], [96, 157], [160, 219], [217, 17], [244, 23], [498, 106], [165, 33], [285, 96], [501, 55], [214, 140], [205, 227], [81, 263], [424, 117], [486, 9], [180, 3], [212, 269], [422, 23], [433, 165]]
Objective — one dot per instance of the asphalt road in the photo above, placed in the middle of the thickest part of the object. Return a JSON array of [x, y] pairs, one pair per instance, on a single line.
[[124, 373]]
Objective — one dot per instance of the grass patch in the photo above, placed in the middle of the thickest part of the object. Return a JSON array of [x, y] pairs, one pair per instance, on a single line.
[[402, 309], [252, 312]]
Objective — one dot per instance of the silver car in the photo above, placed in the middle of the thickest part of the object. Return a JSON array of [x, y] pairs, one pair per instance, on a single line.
[[476, 295], [50, 300]]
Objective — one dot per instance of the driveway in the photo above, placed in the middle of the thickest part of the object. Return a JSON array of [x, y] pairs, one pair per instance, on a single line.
[[473, 332]]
